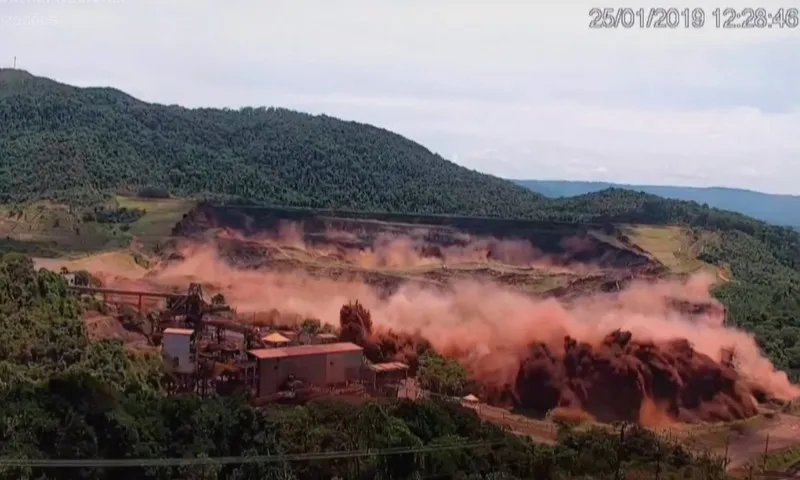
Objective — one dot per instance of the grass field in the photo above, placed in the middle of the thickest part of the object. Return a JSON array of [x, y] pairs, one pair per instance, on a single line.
[[50, 229], [673, 246], [782, 460], [112, 261], [161, 215]]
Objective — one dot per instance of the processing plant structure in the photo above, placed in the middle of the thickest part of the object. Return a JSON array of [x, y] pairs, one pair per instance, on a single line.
[[208, 351]]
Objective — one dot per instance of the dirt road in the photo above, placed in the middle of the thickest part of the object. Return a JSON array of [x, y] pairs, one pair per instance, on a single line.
[[778, 433], [539, 431]]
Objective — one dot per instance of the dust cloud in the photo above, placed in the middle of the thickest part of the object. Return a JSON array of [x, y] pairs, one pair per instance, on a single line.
[[414, 248], [634, 355]]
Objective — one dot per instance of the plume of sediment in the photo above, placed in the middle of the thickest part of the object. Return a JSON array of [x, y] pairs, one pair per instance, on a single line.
[[645, 353]]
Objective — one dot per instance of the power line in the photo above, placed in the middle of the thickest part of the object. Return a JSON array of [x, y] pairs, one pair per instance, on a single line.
[[236, 460]]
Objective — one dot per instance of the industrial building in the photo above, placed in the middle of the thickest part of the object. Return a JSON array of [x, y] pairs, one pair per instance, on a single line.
[[206, 352], [315, 365], [178, 351], [291, 335], [387, 373], [325, 338], [275, 340]]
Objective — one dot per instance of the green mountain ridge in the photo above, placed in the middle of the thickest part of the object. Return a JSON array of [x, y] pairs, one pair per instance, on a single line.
[[772, 208], [69, 142]]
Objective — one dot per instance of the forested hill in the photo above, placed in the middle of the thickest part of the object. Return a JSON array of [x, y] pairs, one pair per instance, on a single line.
[[57, 140], [62, 141], [777, 209]]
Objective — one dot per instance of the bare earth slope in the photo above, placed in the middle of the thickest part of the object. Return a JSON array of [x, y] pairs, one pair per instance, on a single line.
[[502, 250]]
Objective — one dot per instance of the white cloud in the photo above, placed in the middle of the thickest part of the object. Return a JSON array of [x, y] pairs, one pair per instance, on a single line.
[[512, 88]]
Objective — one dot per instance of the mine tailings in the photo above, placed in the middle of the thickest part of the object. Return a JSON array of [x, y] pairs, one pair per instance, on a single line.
[[619, 379], [622, 379]]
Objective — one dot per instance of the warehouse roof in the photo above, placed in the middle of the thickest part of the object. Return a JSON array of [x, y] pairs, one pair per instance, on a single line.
[[178, 331], [300, 350], [275, 338], [388, 367]]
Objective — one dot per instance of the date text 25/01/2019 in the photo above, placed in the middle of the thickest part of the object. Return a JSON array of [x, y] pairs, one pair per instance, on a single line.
[[693, 18]]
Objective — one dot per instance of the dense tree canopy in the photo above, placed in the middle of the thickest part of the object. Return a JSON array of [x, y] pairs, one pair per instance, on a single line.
[[440, 374], [62, 141], [769, 207]]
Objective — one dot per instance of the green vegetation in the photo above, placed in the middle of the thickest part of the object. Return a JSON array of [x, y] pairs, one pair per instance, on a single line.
[[41, 335], [441, 375], [785, 460], [102, 214], [48, 229], [64, 397], [771, 208], [63, 142], [159, 214], [53, 228], [676, 247]]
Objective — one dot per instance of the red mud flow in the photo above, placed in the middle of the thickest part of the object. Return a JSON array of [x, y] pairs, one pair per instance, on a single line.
[[623, 379], [639, 355], [617, 379]]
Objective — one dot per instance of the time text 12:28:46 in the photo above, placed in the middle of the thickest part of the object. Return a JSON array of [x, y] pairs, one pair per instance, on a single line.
[[692, 18]]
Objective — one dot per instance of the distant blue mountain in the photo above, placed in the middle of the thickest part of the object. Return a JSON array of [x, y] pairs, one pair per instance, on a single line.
[[775, 209]]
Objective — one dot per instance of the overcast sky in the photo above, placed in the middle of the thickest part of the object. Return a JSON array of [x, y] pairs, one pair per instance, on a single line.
[[519, 89]]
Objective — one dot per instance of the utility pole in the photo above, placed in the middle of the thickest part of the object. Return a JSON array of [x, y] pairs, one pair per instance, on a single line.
[[727, 445], [620, 447], [658, 461], [15, 62]]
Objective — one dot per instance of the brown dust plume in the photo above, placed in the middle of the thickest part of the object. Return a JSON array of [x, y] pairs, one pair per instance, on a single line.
[[630, 356]]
